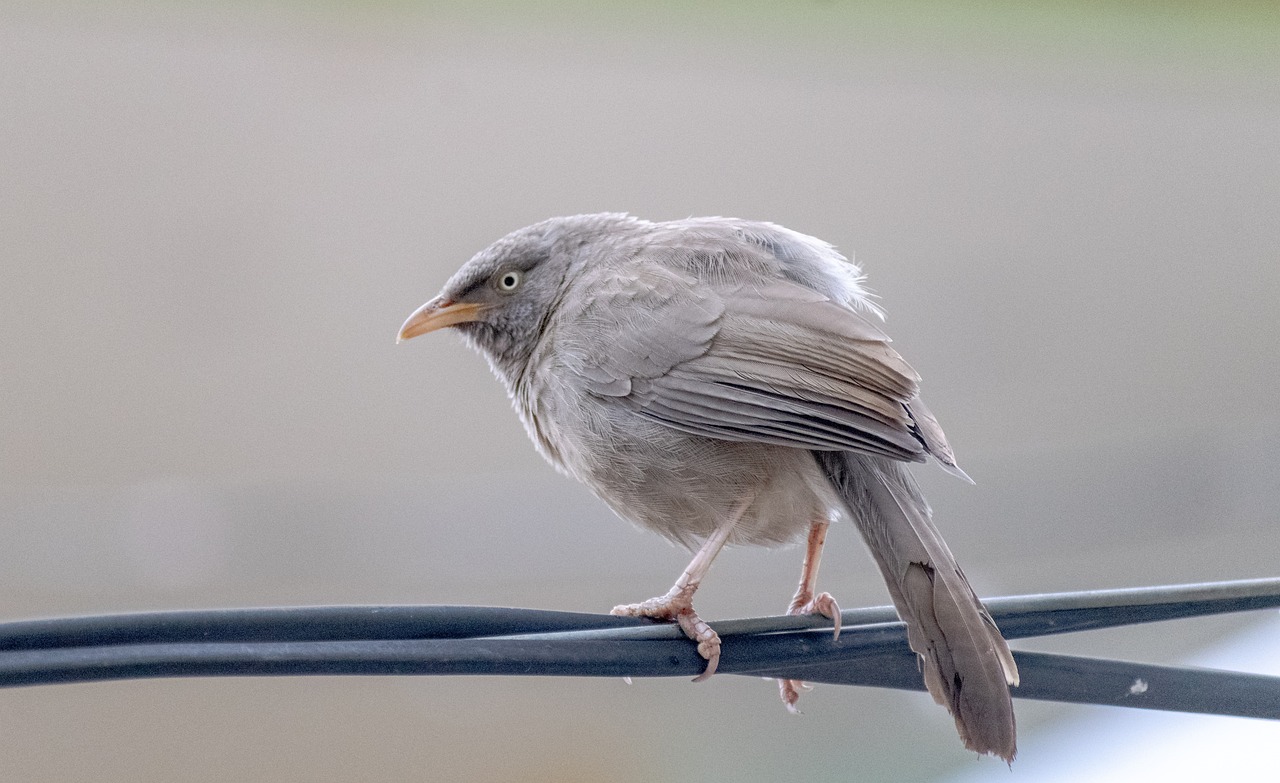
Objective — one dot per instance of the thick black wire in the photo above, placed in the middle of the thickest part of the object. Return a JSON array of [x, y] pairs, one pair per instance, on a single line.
[[879, 658], [386, 640], [1080, 680], [1018, 617], [297, 623]]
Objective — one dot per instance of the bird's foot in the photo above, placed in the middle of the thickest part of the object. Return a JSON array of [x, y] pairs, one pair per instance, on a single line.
[[677, 606], [821, 604], [790, 692]]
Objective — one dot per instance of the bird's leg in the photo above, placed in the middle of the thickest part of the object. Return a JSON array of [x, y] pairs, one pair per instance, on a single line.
[[677, 604], [805, 602]]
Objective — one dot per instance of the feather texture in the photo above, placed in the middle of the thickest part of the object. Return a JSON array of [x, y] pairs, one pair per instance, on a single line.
[[966, 663]]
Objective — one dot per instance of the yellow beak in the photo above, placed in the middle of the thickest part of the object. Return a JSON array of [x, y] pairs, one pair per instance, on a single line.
[[437, 314]]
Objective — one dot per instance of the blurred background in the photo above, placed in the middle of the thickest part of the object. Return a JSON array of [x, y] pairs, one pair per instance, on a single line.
[[214, 217]]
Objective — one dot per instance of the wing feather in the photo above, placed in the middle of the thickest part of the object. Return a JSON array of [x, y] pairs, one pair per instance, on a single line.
[[770, 362]]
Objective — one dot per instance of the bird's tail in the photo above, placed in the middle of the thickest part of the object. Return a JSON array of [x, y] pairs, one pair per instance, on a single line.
[[966, 663]]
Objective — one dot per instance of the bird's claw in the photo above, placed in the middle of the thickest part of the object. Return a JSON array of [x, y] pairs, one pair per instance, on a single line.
[[790, 692], [678, 607], [822, 604]]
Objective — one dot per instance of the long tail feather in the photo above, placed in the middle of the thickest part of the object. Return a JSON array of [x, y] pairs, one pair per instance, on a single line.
[[966, 663]]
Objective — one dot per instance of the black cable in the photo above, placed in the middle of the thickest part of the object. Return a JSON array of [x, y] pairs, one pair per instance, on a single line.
[[1018, 617], [1081, 680], [881, 661], [391, 640], [297, 623]]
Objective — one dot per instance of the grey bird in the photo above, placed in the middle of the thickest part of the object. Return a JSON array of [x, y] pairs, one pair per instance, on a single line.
[[724, 381]]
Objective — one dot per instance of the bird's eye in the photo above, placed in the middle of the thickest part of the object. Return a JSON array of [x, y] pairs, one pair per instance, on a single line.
[[508, 281]]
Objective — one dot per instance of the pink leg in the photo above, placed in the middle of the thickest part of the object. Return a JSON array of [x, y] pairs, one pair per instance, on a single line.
[[805, 602], [677, 604]]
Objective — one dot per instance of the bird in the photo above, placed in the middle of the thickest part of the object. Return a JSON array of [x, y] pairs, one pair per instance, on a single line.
[[724, 381]]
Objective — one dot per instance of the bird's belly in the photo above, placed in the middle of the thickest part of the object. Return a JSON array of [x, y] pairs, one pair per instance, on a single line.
[[684, 486]]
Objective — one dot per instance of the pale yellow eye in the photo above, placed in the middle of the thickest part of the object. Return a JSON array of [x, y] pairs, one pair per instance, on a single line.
[[508, 281]]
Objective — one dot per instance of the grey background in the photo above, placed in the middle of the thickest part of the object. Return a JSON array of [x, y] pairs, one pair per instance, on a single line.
[[214, 217]]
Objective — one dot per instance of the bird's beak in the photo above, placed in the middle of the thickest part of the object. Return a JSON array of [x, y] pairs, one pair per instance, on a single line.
[[437, 314]]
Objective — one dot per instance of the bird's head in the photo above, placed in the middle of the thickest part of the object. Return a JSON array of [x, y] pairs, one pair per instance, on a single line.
[[500, 300]]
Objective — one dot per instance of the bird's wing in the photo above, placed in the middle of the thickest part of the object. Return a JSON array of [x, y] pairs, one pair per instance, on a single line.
[[770, 362]]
